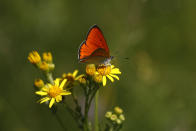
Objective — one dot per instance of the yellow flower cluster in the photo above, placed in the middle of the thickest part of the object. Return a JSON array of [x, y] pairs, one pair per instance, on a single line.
[[55, 89], [115, 117], [45, 65], [101, 72]]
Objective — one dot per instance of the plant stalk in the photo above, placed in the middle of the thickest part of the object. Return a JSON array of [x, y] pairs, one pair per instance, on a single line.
[[96, 111], [86, 125]]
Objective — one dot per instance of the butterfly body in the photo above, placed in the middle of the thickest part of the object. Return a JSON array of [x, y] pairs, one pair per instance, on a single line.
[[94, 49]]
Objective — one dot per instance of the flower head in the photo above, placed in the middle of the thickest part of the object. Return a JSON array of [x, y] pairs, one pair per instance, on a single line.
[[108, 71], [34, 57], [122, 117], [47, 56], [108, 114], [90, 69], [82, 79], [53, 93], [44, 66], [71, 77], [118, 110], [118, 121], [113, 117]]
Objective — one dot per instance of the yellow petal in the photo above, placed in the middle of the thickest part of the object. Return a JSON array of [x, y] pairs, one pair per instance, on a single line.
[[109, 77], [115, 71], [65, 93], [58, 98], [51, 102], [75, 73], [41, 93], [56, 82], [63, 83], [115, 76], [112, 66], [104, 80], [45, 89], [79, 77], [44, 100]]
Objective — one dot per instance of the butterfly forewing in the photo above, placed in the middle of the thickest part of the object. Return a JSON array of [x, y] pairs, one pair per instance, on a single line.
[[95, 46]]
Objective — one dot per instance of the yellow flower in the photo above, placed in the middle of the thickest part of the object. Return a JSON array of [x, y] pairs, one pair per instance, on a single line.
[[122, 117], [108, 71], [90, 69], [71, 77], [39, 83], [113, 117], [44, 66], [47, 56], [34, 57], [53, 93], [118, 110]]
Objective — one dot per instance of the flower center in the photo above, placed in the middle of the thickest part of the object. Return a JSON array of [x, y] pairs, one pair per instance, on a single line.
[[104, 70], [54, 91]]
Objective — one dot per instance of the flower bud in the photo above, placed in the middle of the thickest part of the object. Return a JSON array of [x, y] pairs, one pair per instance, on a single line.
[[39, 83], [118, 110], [113, 117], [34, 57], [47, 56], [44, 66], [122, 117], [90, 69], [118, 121], [108, 114], [51, 66]]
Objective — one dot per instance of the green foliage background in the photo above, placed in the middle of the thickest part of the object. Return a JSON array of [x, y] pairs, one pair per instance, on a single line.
[[158, 83]]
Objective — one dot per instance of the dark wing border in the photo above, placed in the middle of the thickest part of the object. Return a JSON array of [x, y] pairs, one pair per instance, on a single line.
[[84, 42]]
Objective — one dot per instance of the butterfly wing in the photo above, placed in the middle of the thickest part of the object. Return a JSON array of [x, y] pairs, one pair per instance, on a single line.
[[94, 48]]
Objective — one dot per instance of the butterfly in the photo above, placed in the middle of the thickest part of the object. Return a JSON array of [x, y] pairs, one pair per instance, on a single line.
[[94, 49]]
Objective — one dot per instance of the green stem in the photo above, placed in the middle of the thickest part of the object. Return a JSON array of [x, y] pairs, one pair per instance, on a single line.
[[93, 95], [86, 126], [96, 111], [76, 117], [49, 77]]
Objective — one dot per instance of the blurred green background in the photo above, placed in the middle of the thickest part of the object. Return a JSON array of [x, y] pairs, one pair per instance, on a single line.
[[157, 88]]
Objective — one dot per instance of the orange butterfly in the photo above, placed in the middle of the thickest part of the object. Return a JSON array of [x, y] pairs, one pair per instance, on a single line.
[[94, 49]]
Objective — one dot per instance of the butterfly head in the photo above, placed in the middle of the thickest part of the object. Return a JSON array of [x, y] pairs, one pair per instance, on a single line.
[[108, 60]]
